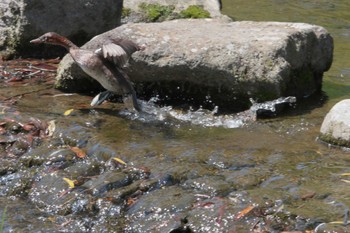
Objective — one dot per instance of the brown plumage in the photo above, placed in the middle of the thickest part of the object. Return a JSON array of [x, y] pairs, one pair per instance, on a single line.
[[104, 64]]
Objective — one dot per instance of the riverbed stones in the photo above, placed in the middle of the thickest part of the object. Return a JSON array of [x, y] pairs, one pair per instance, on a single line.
[[168, 211], [23, 20], [107, 181], [214, 62], [335, 128]]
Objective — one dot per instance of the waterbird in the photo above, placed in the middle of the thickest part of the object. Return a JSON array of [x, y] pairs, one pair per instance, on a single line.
[[104, 64]]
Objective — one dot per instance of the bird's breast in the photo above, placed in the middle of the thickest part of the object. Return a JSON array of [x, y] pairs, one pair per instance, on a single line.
[[93, 65]]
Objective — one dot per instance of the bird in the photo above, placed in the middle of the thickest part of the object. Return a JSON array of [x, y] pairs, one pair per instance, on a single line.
[[104, 64]]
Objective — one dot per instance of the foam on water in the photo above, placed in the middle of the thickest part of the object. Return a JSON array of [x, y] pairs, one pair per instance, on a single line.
[[203, 117]]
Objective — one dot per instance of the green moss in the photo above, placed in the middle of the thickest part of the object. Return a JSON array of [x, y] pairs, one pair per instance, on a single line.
[[125, 12], [195, 12], [156, 12], [328, 138]]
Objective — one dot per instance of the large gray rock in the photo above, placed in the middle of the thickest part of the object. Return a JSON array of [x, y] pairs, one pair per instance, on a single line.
[[23, 20], [217, 62], [335, 128]]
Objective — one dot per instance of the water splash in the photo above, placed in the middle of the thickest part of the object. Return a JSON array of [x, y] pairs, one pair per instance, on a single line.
[[203, 117]]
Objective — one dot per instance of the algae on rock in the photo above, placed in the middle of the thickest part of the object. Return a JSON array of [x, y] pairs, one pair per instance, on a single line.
[[195, 12]]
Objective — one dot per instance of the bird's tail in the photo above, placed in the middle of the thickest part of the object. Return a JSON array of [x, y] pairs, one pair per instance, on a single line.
[[128, 89]]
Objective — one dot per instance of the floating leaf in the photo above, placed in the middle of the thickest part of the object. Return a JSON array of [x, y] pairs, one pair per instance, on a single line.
[[345, 174], [78, 152], [68, 112], [70, 182], [119, 161]]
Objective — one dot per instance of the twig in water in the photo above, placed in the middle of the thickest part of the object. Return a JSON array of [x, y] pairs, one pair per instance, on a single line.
[[42, 69]]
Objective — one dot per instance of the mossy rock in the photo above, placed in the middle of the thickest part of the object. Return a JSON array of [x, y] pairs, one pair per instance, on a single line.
[[328, 138], [156, 12]]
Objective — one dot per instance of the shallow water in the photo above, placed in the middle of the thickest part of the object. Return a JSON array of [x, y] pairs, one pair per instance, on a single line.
[[277, 158]]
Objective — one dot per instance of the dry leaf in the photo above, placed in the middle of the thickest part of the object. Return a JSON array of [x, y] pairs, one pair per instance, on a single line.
[[130, 201], [68, 112], [70, 182], [119, 161], [244, 212], [78, 152]]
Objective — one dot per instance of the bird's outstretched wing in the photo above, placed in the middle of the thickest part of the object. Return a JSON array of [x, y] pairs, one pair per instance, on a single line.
[[118, 51]]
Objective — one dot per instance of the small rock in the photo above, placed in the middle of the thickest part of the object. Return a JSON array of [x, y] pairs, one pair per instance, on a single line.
[[107, 181], [159, 211], [335, 128]]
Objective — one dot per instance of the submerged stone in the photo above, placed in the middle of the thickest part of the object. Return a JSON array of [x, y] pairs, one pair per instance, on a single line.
[[210, 185], [53, 194], [159, 211], [107, 181], [16, 184]]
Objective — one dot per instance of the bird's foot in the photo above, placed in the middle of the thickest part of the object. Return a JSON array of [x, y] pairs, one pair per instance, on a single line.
[[131, 103]]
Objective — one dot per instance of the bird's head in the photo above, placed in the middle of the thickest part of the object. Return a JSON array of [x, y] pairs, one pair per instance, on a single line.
[[49, 38]]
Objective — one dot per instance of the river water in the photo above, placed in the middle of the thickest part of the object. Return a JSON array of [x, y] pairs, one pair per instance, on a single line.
[[281, 157]]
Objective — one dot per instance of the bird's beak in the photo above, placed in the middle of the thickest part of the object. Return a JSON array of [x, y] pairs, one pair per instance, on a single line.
[[36, 41]]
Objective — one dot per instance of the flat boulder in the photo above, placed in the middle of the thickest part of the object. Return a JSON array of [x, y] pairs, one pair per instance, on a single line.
[[335, 128], [212, 62]]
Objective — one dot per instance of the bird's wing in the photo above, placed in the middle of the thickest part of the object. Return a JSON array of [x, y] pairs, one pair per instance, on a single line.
[[118, 51], [128, 46], [115, 54]]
